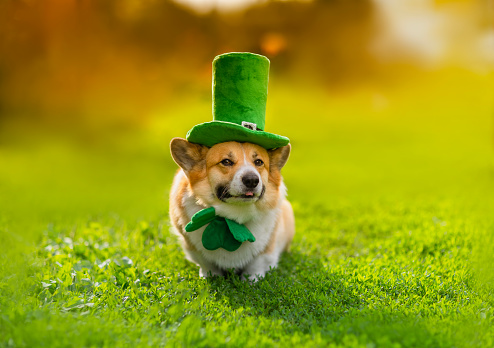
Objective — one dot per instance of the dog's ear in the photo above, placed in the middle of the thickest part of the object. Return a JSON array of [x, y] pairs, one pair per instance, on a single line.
[[278, 157], [188, 155]]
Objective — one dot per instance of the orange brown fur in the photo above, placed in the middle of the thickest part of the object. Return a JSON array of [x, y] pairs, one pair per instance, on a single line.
[[194, 189]]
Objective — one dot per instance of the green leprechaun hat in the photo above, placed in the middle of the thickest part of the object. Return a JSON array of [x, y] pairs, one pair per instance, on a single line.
[[240, 90]]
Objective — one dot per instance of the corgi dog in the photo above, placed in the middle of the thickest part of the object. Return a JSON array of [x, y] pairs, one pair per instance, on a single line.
[[243, 182]]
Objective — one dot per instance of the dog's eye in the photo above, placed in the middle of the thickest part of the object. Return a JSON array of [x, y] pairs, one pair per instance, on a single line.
[[226, 162], [258, 162]]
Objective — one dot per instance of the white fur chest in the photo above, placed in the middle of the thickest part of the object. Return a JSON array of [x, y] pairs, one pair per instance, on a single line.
[[260, 224]]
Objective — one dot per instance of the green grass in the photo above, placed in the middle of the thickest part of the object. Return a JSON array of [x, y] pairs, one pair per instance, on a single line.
[[393, 202]]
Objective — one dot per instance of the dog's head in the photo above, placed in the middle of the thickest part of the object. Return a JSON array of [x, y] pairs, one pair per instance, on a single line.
[[231, 172]]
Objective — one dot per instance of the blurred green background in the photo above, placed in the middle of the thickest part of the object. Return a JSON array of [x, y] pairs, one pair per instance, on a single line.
[[376, 97]]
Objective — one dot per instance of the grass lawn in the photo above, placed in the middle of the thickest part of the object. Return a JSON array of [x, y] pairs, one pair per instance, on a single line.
[[392, 192]]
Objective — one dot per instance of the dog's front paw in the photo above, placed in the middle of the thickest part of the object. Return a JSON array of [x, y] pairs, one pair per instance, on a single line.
[[206, 273], [257, 269], [252, 278]]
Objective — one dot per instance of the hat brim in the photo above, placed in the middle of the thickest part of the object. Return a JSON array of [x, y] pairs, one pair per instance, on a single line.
[[215, 132]]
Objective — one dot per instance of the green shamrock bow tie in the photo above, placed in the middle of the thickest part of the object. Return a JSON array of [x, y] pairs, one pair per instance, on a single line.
[[221, 232]]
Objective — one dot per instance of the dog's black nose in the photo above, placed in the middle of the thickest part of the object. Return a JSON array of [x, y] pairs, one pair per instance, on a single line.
[[250, 180]]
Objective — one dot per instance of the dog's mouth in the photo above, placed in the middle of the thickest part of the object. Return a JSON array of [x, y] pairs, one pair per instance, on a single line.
[[223, 194]]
